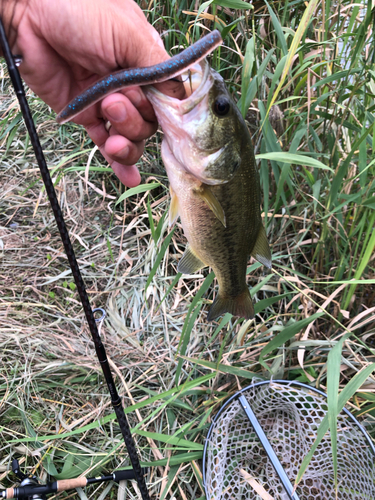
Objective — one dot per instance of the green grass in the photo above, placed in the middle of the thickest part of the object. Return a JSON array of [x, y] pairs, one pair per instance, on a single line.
[[305, 82]]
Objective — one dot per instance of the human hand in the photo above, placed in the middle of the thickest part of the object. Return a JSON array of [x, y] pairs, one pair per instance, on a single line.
[[67, 45]]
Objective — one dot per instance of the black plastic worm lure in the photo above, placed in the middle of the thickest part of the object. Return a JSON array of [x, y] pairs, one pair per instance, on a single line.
[[141, 76]]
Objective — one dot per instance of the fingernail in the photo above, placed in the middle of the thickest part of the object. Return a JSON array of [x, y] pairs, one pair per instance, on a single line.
[[123, 153], [117, 112]]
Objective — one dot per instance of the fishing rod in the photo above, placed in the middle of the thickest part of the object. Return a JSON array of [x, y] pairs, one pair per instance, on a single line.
[[99, 347], [30, 488]]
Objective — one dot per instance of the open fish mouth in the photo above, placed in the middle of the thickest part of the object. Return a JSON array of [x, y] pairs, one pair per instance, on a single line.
[[197, 84], [181, 119]]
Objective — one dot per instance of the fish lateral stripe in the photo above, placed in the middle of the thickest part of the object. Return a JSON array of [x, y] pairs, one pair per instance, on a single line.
[[141, 76]]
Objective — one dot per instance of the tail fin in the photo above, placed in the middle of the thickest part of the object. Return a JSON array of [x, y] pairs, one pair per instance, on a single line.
[[241, 306]]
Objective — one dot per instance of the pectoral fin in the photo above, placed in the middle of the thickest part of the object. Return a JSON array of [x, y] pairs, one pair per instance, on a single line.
[[205, 193], [261, 250], [189, 263], [174, 208]]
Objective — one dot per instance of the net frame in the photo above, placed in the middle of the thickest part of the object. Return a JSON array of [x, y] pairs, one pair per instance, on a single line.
[[218, 486]]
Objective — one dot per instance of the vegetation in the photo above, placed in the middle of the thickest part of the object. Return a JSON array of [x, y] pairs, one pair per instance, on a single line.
[[304, 78]]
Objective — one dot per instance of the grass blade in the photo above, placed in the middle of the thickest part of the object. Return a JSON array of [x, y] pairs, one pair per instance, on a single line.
[[142, 188], [232, 370], [349, 390], [279, 31], [233, 4], [287, 333], [247, 69], [305, 21], [159, 257], [189, 321], [295, 159], [333, 380]]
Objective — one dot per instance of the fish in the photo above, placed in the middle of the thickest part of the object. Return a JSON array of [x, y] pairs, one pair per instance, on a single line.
[[209, 158], [214, 184]]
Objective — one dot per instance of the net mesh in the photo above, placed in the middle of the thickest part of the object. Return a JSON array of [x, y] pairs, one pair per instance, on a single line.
[[290, 417]]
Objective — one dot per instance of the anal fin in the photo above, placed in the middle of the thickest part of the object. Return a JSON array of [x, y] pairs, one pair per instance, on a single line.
[[205, 193], [189, 263], [261, 250]]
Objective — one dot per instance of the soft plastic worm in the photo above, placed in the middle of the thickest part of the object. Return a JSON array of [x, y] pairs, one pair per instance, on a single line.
[[141, 76]]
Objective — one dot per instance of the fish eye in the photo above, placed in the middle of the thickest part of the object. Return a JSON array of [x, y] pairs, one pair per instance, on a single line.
[[221, 106]]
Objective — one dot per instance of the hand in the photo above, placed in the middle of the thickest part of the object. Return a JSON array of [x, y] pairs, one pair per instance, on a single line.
[[66, 45]]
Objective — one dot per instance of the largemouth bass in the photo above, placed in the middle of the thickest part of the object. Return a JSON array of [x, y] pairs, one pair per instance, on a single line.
[[209, 158], [208, 155]]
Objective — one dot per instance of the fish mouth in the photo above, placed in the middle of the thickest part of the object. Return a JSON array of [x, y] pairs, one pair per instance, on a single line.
[[197, 83], [180, 118]]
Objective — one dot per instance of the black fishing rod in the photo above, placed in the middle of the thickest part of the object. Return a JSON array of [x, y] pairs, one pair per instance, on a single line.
[[30, 488], [99, 347]]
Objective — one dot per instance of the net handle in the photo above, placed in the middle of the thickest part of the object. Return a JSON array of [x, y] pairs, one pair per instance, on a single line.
[[285, 481]]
